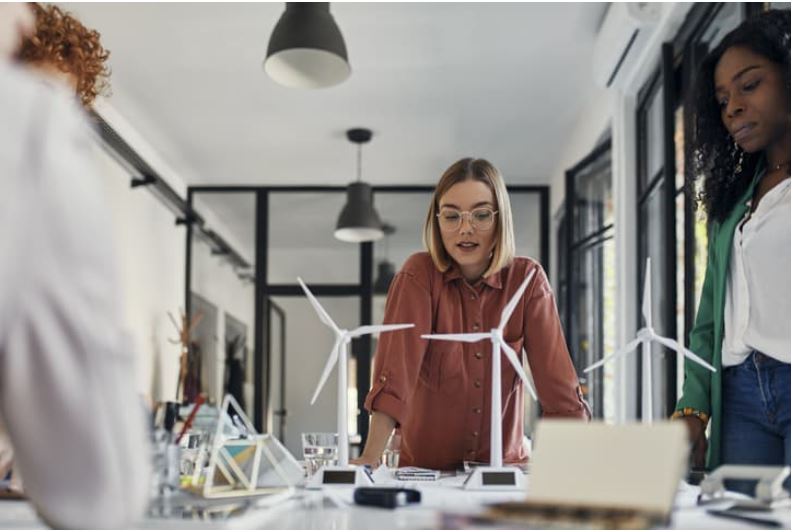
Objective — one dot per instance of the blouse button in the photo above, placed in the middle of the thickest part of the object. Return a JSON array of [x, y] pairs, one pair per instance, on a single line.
[[477, 410], [477, 383], [382, 378], [471, 451], [473, 297], [476, 326], [478, 356], [475, 434]]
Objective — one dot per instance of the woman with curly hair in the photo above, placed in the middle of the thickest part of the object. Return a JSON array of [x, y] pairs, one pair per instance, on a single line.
[[741, 146], [65, 49]]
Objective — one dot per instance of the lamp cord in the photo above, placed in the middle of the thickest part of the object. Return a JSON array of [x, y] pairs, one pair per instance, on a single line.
[[359, 163]]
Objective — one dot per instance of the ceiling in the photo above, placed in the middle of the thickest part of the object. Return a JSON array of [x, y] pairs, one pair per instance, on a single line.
[[434, 81]]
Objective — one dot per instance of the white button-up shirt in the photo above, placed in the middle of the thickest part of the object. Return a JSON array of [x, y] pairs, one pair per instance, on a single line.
[[67, 392], [757, 303]]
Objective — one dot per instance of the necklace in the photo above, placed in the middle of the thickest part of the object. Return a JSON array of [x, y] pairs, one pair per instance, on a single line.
[[780, 166]]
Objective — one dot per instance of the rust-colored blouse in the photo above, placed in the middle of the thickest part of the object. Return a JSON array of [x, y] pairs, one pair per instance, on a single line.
[[439, 392]]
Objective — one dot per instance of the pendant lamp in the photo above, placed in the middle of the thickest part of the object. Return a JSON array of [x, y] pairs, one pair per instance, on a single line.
[[358, 220], [306, 48]]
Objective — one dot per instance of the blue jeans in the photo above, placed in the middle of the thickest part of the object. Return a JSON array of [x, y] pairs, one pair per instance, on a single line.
[[756, 415]]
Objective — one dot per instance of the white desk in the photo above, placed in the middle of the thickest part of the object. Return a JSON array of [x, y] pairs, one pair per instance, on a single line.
[[334, 509]]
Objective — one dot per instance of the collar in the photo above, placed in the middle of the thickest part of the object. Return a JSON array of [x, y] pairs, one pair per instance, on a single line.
[[743, 204], [453, 272], [759, 172]]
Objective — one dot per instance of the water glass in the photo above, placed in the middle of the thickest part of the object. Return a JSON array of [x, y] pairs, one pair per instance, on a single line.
[[391, 452], [320, 449]]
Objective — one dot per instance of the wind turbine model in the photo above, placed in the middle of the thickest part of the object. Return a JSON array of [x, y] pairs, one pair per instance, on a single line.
[[343, 474], [646, 336], [496, 477]]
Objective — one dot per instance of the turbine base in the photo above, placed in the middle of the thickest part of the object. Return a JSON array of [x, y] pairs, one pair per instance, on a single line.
[[488, 478], [340, 477]]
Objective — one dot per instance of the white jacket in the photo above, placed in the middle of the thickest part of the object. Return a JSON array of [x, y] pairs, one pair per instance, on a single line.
[[67, 392]]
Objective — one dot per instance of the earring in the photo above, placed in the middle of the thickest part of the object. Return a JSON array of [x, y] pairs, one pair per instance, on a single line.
[[739, 165]]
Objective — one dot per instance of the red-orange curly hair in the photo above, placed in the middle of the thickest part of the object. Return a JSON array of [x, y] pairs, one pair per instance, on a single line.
[[62, 41]]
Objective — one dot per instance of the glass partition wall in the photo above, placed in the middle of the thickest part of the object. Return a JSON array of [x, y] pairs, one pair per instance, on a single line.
[[286, 232]]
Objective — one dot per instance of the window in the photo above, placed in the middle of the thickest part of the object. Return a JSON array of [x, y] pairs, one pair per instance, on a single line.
[[588, 281], [672, 231]]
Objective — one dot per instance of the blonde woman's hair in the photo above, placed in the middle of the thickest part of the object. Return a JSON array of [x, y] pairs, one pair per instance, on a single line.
[[476, 170]]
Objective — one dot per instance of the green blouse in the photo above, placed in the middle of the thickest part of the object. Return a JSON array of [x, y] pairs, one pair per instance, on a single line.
[[702, 388]]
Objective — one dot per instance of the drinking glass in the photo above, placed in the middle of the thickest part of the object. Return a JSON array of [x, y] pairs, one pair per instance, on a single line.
[[320, 449], [391, 452]]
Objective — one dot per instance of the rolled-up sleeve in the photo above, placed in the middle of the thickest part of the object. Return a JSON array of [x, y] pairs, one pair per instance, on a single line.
[[554, 375], [400, 354]]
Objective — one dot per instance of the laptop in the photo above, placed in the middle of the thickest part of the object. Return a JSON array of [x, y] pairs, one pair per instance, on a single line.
[[600, 475]]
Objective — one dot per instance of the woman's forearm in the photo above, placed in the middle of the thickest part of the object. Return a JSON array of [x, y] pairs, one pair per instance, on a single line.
[[380, 429]]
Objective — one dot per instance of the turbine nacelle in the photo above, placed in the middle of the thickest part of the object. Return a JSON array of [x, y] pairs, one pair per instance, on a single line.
[[645, 334]]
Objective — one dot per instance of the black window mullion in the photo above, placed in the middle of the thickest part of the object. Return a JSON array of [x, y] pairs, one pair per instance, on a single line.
[[261, 345], [670, 270], [595, 235], [363, 354]]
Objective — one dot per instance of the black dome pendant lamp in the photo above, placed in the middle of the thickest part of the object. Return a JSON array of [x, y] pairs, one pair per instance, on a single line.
[[306, 48], [358, 220]]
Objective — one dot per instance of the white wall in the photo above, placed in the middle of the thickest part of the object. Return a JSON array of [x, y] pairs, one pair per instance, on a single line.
[[150, 252]]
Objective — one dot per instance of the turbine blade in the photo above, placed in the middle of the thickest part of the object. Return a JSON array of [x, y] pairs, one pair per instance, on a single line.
[[621, 352], [323, 316], [513, 358], [333, 357], [647, 297], [369, 329], [674, 346], [510, 308], [470, 338]]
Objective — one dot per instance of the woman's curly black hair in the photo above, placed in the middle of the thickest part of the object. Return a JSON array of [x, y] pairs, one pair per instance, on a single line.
[[712, 152]]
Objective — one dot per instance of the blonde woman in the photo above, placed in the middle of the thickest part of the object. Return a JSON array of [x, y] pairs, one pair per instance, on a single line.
[[438, 393]]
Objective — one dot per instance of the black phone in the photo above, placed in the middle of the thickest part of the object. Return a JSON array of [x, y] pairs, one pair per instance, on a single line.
[[386, 497]]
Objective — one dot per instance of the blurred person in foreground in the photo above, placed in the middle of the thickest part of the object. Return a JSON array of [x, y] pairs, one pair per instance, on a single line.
[[63, 51], [67, 398]]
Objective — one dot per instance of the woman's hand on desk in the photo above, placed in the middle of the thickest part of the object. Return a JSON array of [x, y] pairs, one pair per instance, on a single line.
[[699, 443], [373, 461], [379, 431]]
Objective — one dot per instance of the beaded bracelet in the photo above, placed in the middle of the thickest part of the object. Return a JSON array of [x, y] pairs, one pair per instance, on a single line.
[[687, 412]]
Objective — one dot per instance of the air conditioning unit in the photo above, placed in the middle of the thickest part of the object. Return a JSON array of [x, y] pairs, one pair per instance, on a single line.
[[616, 40]]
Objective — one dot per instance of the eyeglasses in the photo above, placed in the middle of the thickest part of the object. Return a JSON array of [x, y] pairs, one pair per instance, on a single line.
[[481, 219]]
